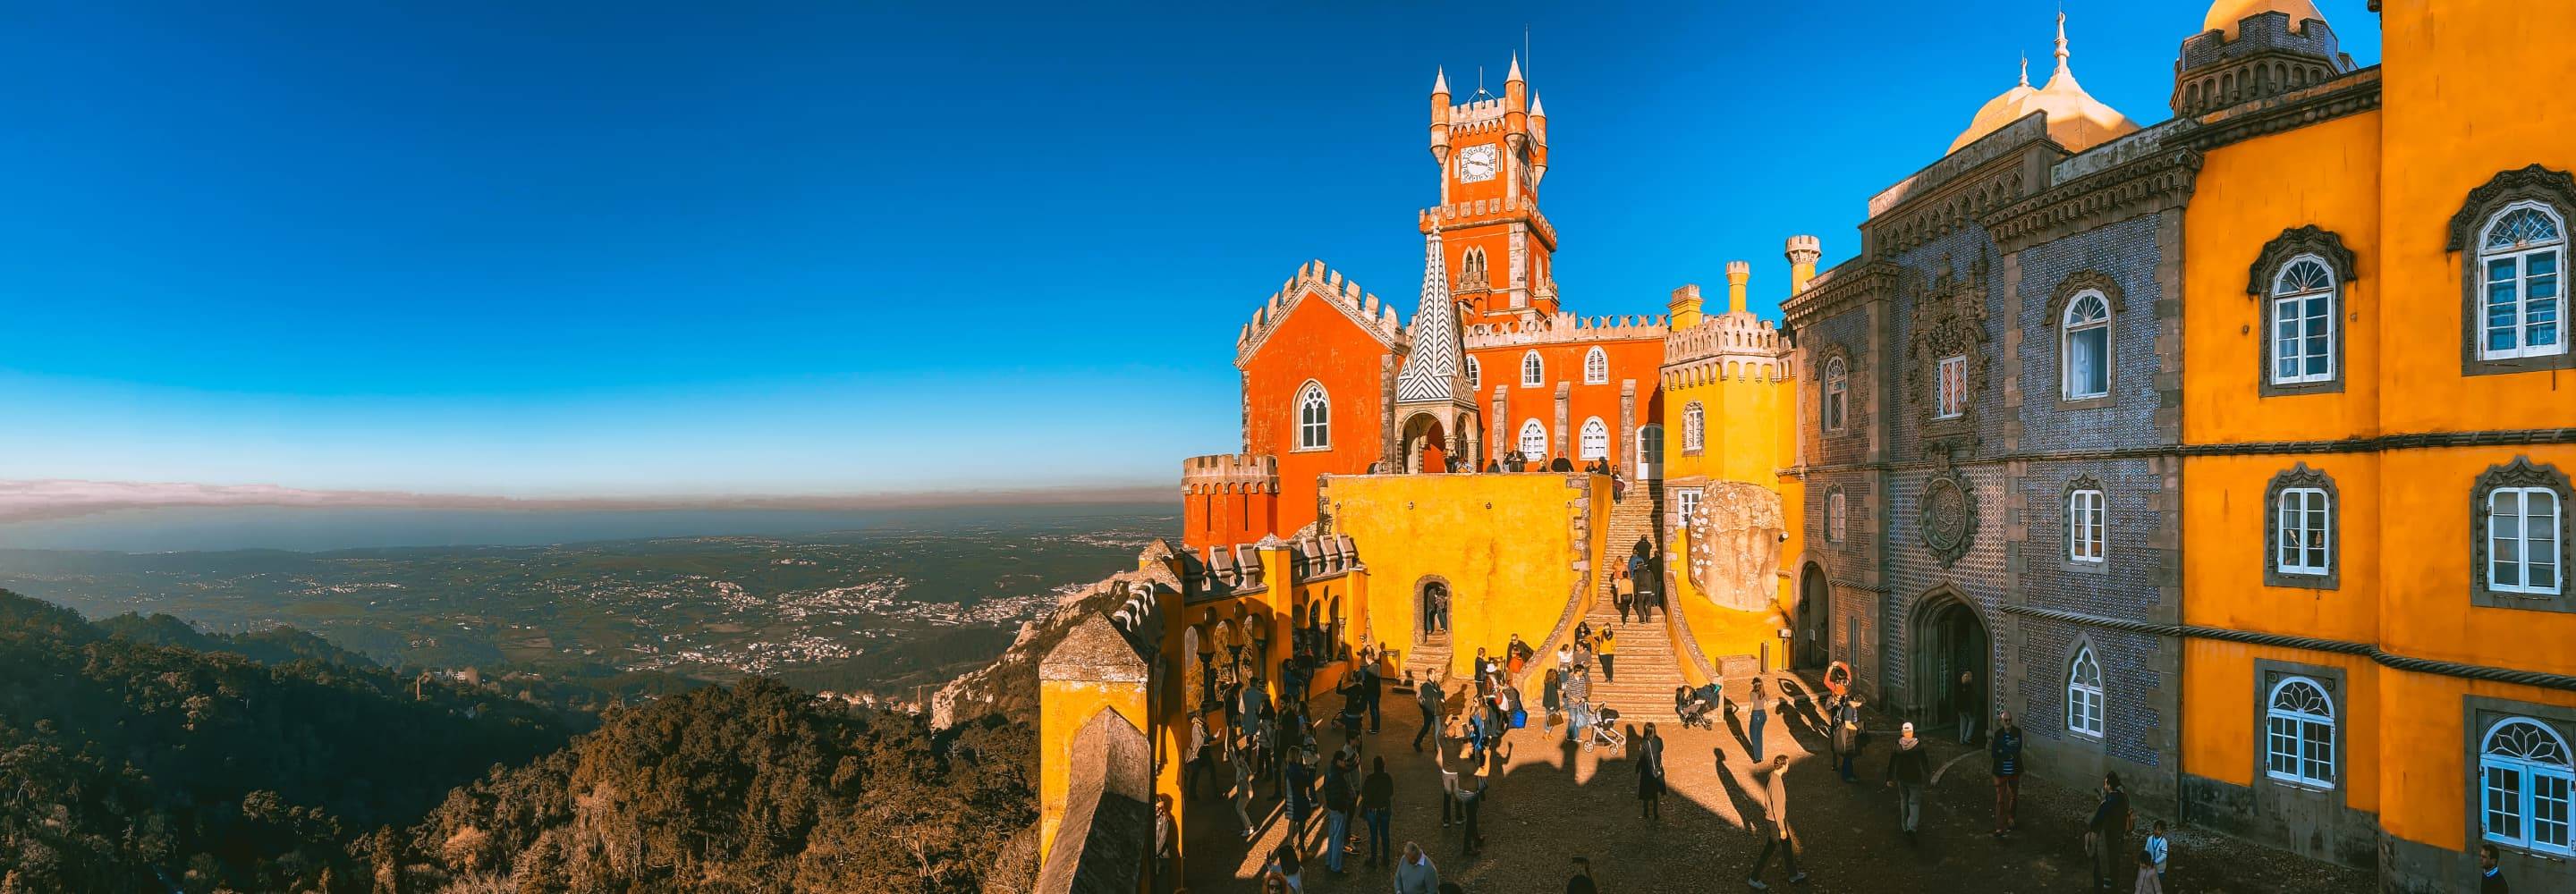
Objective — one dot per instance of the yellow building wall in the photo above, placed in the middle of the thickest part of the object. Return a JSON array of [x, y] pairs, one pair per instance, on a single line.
[[2224, 737], [1752, 435], [2424, 605], [2224, 519], [2424, 752], [1504, 542], [1063, 708], [2247, 193]]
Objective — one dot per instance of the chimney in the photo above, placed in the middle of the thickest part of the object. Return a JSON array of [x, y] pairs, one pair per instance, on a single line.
[[1803, 252], [1737, 272], [1685, 307]]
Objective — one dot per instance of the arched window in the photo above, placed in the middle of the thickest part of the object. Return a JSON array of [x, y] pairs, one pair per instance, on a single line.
[[1650, 451], [2303, 322], [2520, 253], [2299, 734], [1596, 367], [1314, 418], [2087, 346], [2084, 693], [2527, 776], [1694, 427], [1533, 440], [1837, 517], [1596, 439], [1837, 393], [1533, 373], [2084, 525], [1475, 373]]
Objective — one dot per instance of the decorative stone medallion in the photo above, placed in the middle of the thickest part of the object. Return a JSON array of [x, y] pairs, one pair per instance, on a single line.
[[1948, 516]]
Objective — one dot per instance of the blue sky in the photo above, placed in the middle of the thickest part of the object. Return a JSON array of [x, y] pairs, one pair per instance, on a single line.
[[604, 249]]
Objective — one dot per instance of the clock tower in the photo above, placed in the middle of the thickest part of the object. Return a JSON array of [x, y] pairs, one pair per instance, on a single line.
[[1492, 153]]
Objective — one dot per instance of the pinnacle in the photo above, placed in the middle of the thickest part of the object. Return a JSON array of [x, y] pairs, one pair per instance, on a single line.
[[1516, 69], [1538, 106], [1440, 81]]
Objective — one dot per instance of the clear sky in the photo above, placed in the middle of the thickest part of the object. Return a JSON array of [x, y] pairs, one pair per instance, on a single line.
[[615, 249]]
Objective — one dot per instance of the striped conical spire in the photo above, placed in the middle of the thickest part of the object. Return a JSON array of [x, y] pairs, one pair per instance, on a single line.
[[1431, 371]]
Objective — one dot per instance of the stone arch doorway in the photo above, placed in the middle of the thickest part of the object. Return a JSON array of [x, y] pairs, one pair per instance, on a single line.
[[1431, 597], [1426, 444], [1947, 636], [1815, 647], [1469, 446]]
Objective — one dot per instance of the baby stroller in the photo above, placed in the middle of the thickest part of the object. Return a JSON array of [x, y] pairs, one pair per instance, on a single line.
[[1605, 729], [1697, 707]]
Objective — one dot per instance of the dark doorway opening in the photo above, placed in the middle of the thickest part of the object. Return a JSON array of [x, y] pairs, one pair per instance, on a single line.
[[1815, 619], [1949, 638]]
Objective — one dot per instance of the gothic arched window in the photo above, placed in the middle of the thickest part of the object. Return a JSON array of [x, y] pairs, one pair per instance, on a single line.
[[1533, 372], [2087, 341], [1475, 373], [1837, 393], [1694, 427], [1596, 367], [2084, 693], [1533, 440], [1314, 418], [2526, 777], [1596, 439], [2299, 734]]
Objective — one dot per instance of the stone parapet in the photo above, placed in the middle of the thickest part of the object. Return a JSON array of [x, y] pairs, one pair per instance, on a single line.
[[1565, 328], [1327, 284], [1230, 473]]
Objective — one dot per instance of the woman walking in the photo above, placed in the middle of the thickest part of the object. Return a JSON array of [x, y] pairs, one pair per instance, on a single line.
[[1650, 775], [1761, 708], [1608, 648], [1242, 767], [1578, 702], [1551, 697]]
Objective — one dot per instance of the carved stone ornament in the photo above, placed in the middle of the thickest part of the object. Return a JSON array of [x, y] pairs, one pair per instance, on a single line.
[[1735, 536], [2307, 240], [2556, 188], [1949, 321], [1948, 516]]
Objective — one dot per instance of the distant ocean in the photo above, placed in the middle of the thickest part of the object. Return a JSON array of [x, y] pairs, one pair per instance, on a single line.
[[325, 529]]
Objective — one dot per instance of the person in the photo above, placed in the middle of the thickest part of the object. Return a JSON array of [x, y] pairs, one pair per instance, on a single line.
[[1581, 881], [2148, 882], [1414, 873], [1448, 788], [1691, 705], [1471, 796], [1354, 708], [1166, 839], [1299, 782], [1289, 678], [1515, 654], [1242, 766], [2490, 873], [2106, 836], [1761, 715], [2004, 748], [2157, 848], [1284, 862], [1551, 697], [1623, 589], [1583, 653], [1908, 768], [1564, 656], [1373, 691], [1608, 649], [1650, 775], [1578, 702], [1377, 803], [1341, 799], [1846, 719], [1582, 634], [1964, 694], [1775, 810], [1484, 671], [1648, 595], [1200, 757], [1428, 697]]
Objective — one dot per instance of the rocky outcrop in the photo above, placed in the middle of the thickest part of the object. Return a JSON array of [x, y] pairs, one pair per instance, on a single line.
[[1735, 545], [1009, 685]]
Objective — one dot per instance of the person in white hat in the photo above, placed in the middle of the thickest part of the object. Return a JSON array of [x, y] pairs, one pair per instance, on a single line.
[[1909, 767]]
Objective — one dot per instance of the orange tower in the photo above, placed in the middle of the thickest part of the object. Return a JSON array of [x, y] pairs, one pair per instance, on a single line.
[[1492, 153]]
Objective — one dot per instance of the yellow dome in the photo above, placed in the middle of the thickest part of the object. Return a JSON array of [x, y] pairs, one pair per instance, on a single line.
[[2224, 14], [2076, 120]]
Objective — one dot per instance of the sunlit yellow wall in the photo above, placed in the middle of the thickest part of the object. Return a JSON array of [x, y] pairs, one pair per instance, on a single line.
[[1063, 708], [2224, 521], [1752, 436], [1504, 542], [2424, 606], [2224, 738]]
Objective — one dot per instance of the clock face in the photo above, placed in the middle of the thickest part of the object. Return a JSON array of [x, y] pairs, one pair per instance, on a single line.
[[1476, 163]]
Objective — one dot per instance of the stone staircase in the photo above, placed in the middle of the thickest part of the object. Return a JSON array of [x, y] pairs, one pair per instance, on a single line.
[[1426, 658], [1649, 669], [1639, 517]]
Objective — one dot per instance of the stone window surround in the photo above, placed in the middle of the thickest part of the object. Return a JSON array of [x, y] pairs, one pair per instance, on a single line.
[[2270, 672], [1531, 359], [1837, 510], [1835, 353], [1475, 374], [1312, 388], [2080, 646], [2295, 242], [2302, 475], [2066, 524], [2521, 472], [2534, 183], [1949, 320], [2478, 712], [1596, 374], [2076, 284], [1694, 428]]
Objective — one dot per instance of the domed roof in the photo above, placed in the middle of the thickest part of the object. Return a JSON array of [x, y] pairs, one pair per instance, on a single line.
[[2076, 120], [2224, 14]]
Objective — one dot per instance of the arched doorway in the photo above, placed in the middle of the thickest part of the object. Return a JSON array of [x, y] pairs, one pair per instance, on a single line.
[[1426, 444], [1815, 618], [1948, 637], [1430, 608]]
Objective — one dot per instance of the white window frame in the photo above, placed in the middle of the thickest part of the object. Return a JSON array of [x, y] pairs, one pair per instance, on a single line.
[[1687, 501], [1475, 374], [2087, 526], [1532, 428], [1837, 394], [1596, 366], [1533, 370], [2304, 515], [1837, 517], [2068, 329], [1694, 427], [2291, 311], [2534, 779], [2526, 556], [1950, 387], [2521, 254], [2299, 733], [1650, 451], [1314, 418], [2084, 693], [1594, 441]]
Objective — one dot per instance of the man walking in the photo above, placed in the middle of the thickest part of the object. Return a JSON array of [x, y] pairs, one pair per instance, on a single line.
[[2106, 838], [1845, 717], [1341, 798], [1414, 874], [1963, 693], [1429, 696], [2004, 747], [1908, 768], [1377, 803], [1775, 810], [1373, 690]]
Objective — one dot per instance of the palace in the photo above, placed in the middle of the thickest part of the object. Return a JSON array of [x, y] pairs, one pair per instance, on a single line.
[[2230, 451]]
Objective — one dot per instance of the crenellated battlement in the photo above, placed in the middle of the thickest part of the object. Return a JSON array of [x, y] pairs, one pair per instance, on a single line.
[[1230, 473], [1326, 284], [1726, 347], [1484, 211], [1476, 116], [1563, 328]]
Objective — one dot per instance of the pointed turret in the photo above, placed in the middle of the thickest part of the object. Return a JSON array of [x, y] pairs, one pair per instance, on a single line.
[[1431, 372], [1515, 102], [1440, 116], [1538, 138]]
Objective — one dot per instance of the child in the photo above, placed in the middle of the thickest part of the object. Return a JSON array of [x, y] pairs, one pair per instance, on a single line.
[[2158, 848]]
